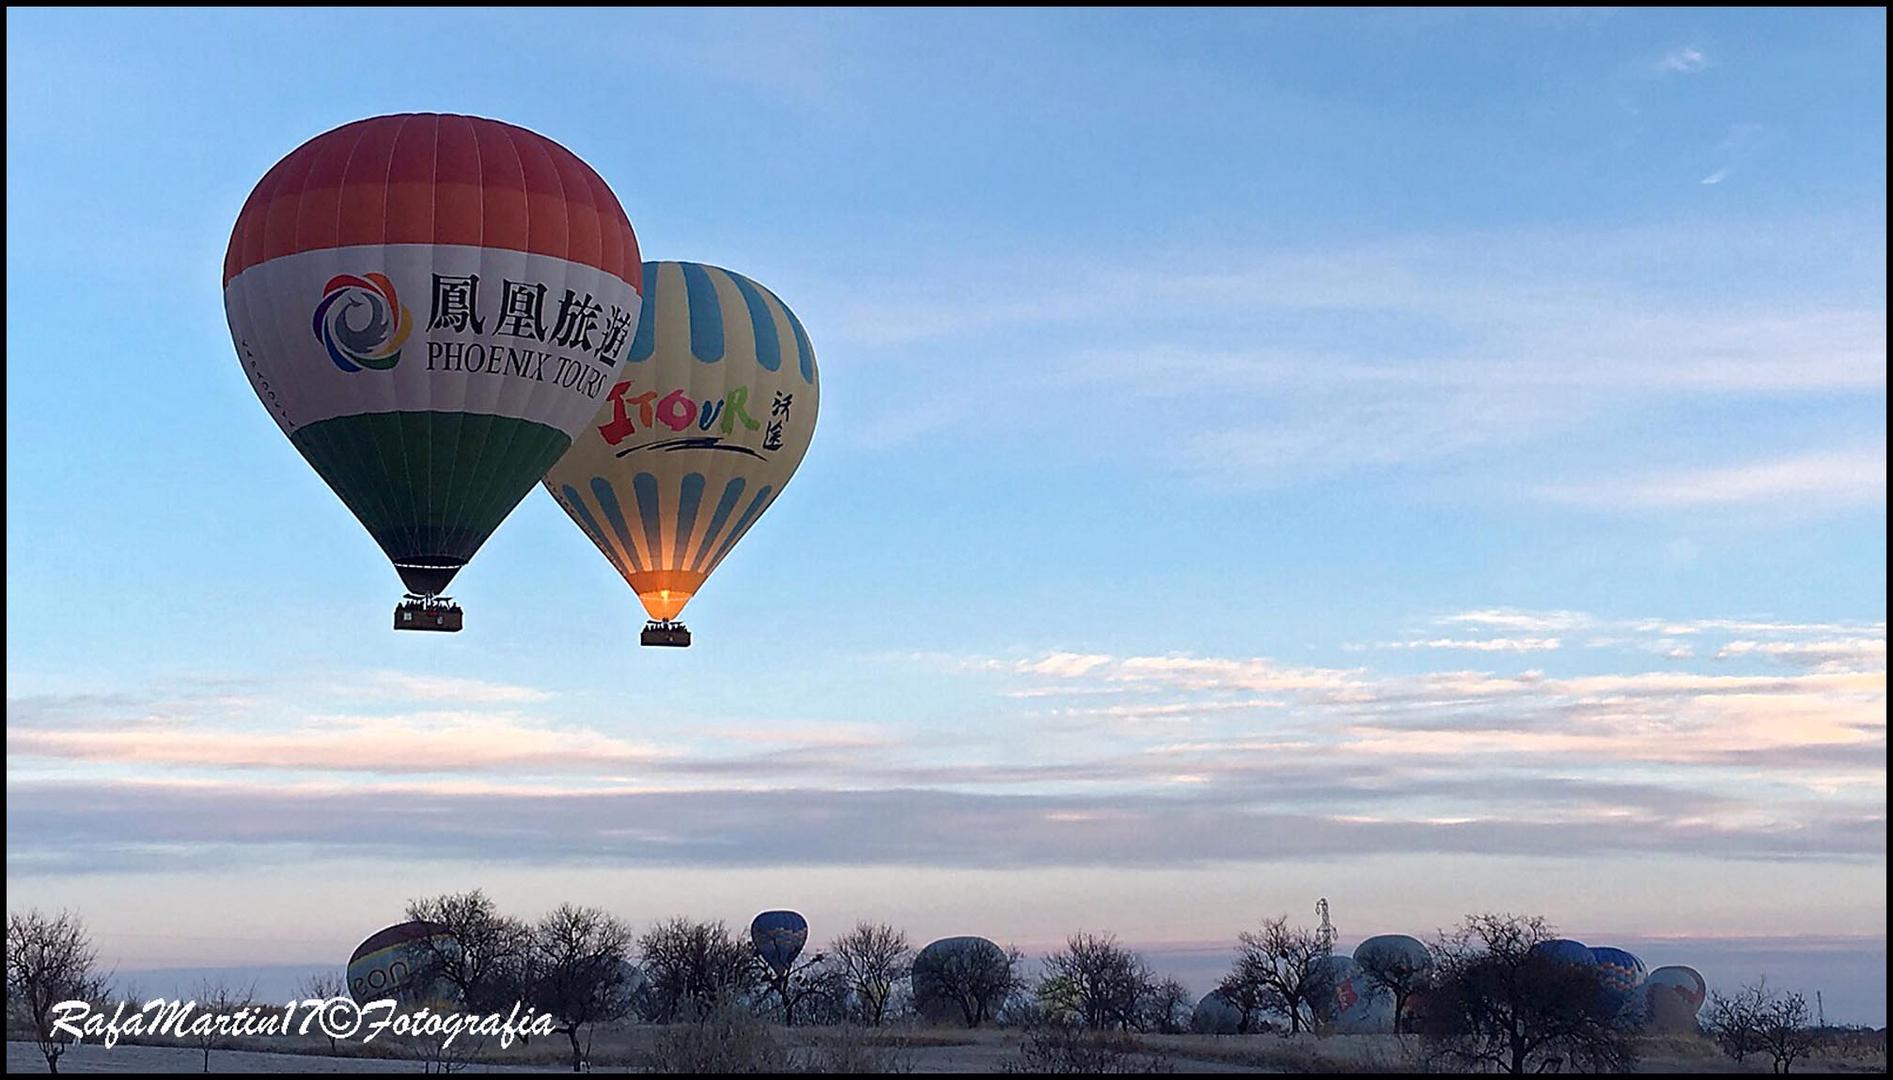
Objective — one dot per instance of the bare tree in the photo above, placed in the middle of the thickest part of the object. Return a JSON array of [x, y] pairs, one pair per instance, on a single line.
[[1735, 1021], [50, 959], [214, 1000], [323, 985], [873, 958], [690, 964], [1097, 981], [1278, 968], [1167, 1008], [482, 956], [1786, 1033], [970, 975], [1756, 1020], [1397, 974], [1498, 1002], [580, 970]]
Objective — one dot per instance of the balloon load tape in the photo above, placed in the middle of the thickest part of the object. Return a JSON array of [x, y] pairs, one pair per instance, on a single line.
[[428, 613], [665, 632]]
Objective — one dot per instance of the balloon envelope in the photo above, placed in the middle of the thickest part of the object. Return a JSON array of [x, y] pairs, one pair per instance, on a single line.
[[1566, 951], [1215, 1015], [1620, 974], [385, 965], [1346, 999], [778, 937], [698, 434], [930, 999], [1672, 997], [430, 307]]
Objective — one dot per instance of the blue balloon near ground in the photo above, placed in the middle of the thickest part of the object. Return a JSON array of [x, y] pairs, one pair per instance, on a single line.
[[1620, 975], [779, 937], [1566, 951]]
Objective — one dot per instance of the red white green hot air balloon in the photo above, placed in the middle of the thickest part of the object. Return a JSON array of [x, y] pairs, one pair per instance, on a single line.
[[709, 417], [430, 307]]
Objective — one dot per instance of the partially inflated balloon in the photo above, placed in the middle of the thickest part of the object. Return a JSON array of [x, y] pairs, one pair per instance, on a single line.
[[1620, 974], [1565, 951], [1672, 996], [698, 434], [430, 307], [779, 937], [387, 964]]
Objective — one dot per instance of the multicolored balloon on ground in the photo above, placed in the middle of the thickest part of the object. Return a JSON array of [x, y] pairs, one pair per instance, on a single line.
[[1672, 996], [698, 433], [1619, 975], [384, 966], [1396, 957], [1346, 1000], [431, 307], [779, 937]]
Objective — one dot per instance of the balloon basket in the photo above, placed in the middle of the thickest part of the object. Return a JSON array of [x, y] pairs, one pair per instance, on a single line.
[[674, 634], [428, 613]]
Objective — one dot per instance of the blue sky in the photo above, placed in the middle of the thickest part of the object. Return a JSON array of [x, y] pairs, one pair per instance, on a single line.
[[1432, 460]]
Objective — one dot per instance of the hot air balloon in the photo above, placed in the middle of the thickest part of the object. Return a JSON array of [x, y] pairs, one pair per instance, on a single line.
[[1392, 962], [1619, 976], [387, 964], [1345, 999], [1566, 951], [779, 937], [1215, 1014], [697, 436], [1672, 996], [972, 966], [430, 307]]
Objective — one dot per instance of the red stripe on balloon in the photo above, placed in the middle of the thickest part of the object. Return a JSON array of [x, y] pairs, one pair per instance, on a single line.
[[421, 178]]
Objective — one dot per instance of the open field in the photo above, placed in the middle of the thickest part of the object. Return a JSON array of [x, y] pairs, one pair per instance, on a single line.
[[628, 1048]]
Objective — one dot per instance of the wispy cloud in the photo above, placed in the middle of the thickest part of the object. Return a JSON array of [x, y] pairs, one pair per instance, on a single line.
[[1685, 59], [1480, 644], [1828, 479]]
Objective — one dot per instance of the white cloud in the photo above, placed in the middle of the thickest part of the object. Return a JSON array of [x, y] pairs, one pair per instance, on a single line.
[[1686, 59], [1822, 480], [1481, 644]]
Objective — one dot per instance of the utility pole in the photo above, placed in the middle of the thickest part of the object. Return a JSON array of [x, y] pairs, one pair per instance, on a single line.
[[1820, 1012]]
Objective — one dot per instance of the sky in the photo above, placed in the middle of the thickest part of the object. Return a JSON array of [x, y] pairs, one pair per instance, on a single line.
[[1434, 461]]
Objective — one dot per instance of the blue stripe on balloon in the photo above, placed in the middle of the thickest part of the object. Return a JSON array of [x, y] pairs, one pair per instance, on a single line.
[[687, 501], [586, 521], [731, 492], [756, 506], [762, 321], [645, 342], [644, 489], [608, 502], [706, 314]]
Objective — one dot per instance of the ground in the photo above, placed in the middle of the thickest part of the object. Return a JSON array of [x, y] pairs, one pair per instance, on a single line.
[[926, 1050]]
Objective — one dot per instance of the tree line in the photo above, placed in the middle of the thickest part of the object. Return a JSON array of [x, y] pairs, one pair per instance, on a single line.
[[1489, 1000]]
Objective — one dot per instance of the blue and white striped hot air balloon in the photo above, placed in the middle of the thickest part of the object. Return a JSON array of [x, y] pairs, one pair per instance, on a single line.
[[707, 420]]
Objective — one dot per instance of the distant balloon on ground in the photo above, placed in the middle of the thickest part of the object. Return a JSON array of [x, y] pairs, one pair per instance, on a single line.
[[1620, 974], [958, 954], [1347, 1000], [1672, 997], [779, 937], [1216, 1015], [384, 966], [1566, 951]]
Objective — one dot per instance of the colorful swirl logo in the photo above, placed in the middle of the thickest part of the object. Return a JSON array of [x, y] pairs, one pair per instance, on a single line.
[[376, 343]]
